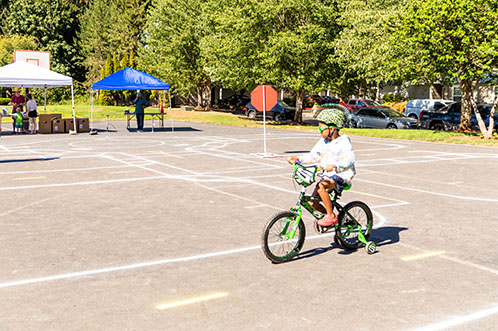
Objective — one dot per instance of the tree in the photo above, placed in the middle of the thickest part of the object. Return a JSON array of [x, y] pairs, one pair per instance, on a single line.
[[287, 43], [362, 48], [55, 24], [110, 27], [10, 43], [173, 53], [446, 39]]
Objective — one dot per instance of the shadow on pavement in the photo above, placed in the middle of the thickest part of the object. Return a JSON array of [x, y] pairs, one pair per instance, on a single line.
[[386, 235], [29, 160], [175, 129]]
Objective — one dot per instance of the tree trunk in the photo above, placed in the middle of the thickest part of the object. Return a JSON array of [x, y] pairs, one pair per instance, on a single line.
[[466, 118], [298, 117], [199, 97], [207, 96], [487, 134]]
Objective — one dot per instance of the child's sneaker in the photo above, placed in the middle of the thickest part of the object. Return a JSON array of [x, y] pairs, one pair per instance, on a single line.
[[328, 220]]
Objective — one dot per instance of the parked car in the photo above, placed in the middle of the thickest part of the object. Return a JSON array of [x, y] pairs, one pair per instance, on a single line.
[[355, 104], [448, 118], [415, 107], [381, 117], [278, 113], [310, 100], [236, 100]]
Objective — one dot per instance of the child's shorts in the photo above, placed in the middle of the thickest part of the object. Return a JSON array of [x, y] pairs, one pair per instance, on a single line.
[[340, 183], [18, 125]]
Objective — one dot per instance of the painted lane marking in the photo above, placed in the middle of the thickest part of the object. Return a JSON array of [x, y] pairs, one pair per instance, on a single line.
[[29, 178], [257, 206], [381, 222], [79, 183], [421, 256], [455, 260], [167, 154], [175, 304], [428, 192], [122, 172], [380, 196], [18, 147], [459, 320]]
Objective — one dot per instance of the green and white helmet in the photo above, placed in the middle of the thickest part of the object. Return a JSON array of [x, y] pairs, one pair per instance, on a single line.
[[332, 117]]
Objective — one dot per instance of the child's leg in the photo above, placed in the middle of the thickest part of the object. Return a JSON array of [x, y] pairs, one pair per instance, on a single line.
[[322, 190]]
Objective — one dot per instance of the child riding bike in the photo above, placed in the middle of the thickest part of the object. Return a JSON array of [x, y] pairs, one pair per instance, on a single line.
[[334, 153]]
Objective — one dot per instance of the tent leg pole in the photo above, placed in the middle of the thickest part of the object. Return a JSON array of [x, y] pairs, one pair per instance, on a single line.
[[74, 115], [170, 108], [45, 109]]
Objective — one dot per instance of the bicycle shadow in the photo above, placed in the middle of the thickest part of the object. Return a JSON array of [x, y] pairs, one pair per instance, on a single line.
[[386, 235]]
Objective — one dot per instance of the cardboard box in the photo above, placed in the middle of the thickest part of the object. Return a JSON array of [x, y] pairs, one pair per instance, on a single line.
[[45, 122], [83, 125], [68, 124], [58, 125]]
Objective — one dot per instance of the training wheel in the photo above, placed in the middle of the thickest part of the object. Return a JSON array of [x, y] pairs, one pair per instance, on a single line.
[[371, 247]]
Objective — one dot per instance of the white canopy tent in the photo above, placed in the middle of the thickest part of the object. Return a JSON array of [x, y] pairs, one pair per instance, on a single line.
[[23, 74]]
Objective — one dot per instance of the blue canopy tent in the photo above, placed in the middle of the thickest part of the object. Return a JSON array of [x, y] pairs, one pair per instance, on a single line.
[[128, 79]]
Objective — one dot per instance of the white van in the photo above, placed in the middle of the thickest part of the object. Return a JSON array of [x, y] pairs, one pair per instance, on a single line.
[[415, 107]]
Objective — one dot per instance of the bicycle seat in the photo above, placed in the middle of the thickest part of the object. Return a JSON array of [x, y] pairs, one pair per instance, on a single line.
[[338, 192]]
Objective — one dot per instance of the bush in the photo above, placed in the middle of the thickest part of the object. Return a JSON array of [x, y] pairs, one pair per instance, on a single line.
[[389, 97], [4, 101], [398, 106]]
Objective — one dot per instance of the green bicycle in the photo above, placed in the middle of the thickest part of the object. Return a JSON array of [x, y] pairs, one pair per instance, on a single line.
[[284, 234]]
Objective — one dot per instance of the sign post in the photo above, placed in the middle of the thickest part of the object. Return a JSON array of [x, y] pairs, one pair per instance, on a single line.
[[264, 98]]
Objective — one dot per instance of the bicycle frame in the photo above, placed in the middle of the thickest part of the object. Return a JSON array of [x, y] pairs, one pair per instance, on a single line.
[[304, 201]]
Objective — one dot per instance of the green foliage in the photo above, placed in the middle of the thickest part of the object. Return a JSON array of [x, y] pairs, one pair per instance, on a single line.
[[111, 27], [174, 32], [288, 43], [54, 23], [446, 39], [4, 101], [390, 97], [10, 43], [362, 48]]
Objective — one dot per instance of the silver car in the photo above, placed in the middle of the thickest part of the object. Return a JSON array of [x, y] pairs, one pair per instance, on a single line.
[[381, 118]]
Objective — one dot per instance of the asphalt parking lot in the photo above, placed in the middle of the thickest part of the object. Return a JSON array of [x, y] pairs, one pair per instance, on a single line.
[[160, 231]]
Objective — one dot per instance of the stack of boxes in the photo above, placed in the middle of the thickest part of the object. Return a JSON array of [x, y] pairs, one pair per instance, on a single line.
[[54, 123]]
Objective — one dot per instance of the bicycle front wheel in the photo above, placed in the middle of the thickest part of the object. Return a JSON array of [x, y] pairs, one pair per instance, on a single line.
[[356, 215], [277, 243]]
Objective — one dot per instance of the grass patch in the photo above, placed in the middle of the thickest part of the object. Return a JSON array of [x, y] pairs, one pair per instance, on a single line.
[[227, 118]]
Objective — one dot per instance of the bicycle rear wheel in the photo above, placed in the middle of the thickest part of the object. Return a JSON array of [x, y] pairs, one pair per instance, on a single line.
[[276, 246], [354, 214]]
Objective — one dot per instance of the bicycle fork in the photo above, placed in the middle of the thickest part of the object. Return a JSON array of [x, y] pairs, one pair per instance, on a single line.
[[292, 232]]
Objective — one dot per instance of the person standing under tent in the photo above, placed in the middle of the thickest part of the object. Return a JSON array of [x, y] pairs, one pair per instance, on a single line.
[[140, 103], [17, 101], [31, 108]]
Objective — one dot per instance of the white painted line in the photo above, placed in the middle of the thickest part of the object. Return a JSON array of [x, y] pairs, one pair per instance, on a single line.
[[29, 178], [421, 256], [154, 263], [428, 192], [452, 259], [122, 172], [175, 304], [459, 320], [257, 206], [80, 183]]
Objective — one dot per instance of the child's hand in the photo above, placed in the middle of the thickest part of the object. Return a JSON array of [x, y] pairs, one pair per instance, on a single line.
[[330, 168], [292, 159]]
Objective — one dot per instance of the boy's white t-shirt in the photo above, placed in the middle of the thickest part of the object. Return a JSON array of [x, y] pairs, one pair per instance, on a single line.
[[338, 152]]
